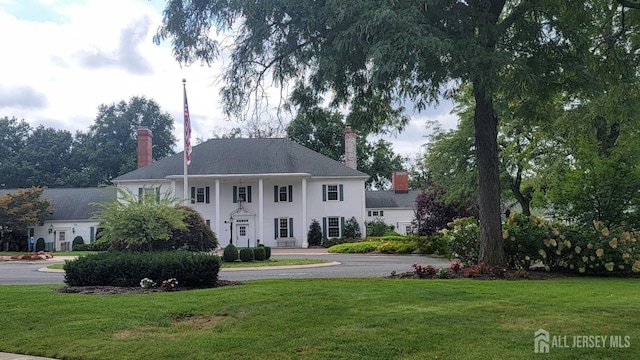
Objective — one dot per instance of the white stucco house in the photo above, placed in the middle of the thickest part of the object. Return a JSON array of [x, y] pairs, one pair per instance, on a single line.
[[396, 206], [259, 191]]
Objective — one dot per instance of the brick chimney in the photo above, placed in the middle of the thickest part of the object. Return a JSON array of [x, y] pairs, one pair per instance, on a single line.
[[145, 145], [400, 182], [350, 156]]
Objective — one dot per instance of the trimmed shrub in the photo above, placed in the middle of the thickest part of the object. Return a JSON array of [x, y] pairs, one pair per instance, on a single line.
[[396, 247], [352, 229], [82, 247], [128, 268], [267, 251], [99, 245], [198, 236], [356, 247], [378, 228], [246, 255], [259, 253], [336, 241], [230, 253], [77, 241], [40, 244], [314, 235], [432, 244]]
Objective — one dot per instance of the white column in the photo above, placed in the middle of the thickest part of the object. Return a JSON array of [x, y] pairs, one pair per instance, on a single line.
[[260, 232], [217, 205], [363, 227], [305, 241]]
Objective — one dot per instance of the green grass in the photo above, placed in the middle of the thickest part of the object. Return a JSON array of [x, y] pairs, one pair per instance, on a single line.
[[270, 262], [325, 319], [273, 262]]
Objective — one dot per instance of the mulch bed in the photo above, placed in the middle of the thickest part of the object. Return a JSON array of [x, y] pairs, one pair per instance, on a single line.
[[516, 275], [111, 290]]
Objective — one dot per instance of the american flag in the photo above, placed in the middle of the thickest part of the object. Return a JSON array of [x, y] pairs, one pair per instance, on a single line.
[[187, 129]]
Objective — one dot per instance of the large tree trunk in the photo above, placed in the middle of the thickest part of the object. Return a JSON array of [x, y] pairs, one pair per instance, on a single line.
[[486, 141]]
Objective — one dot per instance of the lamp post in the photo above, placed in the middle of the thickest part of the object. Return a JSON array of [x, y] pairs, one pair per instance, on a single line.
[[230, 222]]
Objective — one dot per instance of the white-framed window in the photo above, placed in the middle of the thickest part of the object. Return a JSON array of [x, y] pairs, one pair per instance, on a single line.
[[332, 192], [200, 195], [148, 191], [283, 193], [333, 226], [283, 227], [375, 213], [242, 193]]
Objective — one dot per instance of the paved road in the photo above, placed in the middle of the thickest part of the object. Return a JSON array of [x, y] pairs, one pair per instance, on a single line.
[[360, 265]]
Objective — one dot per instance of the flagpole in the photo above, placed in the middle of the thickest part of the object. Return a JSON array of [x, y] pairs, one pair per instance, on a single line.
[[187, 145]]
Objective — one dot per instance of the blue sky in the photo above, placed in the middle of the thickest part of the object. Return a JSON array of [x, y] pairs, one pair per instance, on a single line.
[[63, 58]]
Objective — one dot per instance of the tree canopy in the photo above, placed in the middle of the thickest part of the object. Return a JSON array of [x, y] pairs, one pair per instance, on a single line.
[[21, 210], [372, 55], [322, 130], [55, 158]]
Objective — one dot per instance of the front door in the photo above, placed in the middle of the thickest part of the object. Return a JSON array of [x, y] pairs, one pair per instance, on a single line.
[[242, 235], [62, 243]]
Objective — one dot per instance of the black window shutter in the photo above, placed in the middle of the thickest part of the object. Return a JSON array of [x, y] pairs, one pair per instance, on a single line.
[[275, 193], [193, 194], [158, 194], [248, 193], [140, 190], [291, 227], [324, 227], [275, 228], [290, 193], [207, 194], [341, 193], [342, 226], [324, 192], [235, 194]]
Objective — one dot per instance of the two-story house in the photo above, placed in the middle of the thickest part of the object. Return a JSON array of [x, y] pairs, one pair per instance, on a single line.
[[257, 191]]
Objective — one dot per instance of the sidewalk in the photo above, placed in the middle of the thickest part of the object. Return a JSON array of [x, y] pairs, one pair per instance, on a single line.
[[7, 356]]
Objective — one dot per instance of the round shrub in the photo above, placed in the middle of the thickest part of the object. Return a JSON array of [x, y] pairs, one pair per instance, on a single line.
[[259, 253], [230, 253], [246, 255], [77, 241], [112, 268], [40, 244]]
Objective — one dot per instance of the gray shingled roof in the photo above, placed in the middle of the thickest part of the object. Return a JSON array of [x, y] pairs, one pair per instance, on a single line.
[[245, 156], [74, 203], [389, 199]]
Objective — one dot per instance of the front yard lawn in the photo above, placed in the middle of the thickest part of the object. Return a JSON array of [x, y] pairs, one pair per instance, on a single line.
[[327, 319]]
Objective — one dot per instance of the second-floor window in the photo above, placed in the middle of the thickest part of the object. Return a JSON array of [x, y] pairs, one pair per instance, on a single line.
[[282, 193]]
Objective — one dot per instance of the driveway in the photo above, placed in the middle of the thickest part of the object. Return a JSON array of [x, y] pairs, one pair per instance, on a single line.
[[350, 265]]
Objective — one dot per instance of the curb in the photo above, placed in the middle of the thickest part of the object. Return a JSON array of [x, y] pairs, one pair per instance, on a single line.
[[258, 268]]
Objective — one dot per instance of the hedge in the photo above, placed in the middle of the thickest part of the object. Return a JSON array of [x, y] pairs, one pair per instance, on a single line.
[[128, 268]]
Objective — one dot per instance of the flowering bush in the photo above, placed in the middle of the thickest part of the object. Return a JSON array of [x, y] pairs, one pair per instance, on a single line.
[[170, 284], [425, 271], [147, 283], [463, 239], [532, 240]]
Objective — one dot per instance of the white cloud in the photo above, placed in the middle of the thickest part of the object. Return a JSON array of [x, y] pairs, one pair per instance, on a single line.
[[61, 60]]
